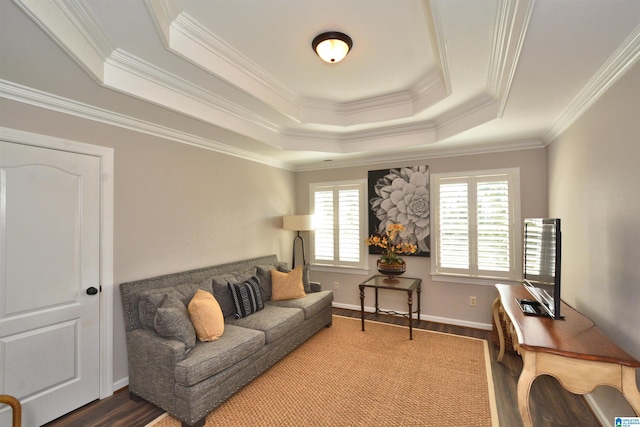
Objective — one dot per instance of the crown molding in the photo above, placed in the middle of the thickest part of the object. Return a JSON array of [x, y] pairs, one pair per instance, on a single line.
[[627, 54], [357, 142], [431, 152], [70, 24], [186, 37], [132, 75], [438, 45], [163, 13], [194, 42], [512, 20], [51, 102]]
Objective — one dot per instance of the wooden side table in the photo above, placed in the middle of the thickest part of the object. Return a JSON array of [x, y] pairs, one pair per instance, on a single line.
[[572, 350], [406, 284]]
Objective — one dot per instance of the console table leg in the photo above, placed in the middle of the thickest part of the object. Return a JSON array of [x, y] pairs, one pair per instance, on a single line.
[[527, 376], [418, 291], [496, 318], [630, 389], [362, 305], [410, 301]]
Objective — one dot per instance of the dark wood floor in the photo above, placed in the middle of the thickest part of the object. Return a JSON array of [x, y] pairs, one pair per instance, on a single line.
[[551, 405]]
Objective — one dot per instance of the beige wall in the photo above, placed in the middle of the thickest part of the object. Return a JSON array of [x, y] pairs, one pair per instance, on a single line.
[[441, 301], [594, 174], [177, 207]]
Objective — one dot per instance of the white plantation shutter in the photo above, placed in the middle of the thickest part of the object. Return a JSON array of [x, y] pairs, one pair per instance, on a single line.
[[323, 224], [338, 238], [477, 224], [454, 225], [493, 225]]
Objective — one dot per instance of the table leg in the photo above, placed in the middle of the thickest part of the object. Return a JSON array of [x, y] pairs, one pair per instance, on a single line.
[[496, 318], [377, 308], [527, 376], [362, 305], [410, 302], [419, 290], [630, 389]]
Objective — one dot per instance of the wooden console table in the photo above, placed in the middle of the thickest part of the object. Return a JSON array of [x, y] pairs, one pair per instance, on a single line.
[[572, 350]]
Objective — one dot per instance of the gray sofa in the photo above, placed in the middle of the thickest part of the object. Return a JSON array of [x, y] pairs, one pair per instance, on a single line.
[[190, 382]]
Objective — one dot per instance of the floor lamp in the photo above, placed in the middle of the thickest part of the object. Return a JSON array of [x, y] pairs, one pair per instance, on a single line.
[[298, 223]]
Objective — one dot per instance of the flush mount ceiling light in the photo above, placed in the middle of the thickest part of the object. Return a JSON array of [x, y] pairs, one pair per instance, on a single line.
[[332, 46]]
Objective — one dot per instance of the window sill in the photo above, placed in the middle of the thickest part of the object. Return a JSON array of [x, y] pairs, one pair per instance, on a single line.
[[467, 280], [340, 269]]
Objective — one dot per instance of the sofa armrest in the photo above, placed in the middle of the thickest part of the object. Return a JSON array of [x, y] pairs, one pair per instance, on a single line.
[[152, 364], [315, 286]]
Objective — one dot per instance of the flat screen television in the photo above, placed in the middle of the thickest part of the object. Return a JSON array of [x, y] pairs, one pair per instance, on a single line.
[[541, 269]]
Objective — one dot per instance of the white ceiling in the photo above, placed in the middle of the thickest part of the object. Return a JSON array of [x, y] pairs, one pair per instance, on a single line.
[[424, 78]]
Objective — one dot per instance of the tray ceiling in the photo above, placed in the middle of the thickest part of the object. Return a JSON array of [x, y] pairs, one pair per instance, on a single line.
[[424, 78]]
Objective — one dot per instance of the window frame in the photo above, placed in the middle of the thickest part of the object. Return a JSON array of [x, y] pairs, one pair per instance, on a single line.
[[473, 275], [335, 265]]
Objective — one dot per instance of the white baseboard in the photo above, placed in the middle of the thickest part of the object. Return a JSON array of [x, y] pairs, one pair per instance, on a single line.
[[436, 319], [121, 384]]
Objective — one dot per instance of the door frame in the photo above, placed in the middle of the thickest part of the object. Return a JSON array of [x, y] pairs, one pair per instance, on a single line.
[[106, 155]]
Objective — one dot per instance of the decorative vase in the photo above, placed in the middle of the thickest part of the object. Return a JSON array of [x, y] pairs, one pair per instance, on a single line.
[[391, 270]]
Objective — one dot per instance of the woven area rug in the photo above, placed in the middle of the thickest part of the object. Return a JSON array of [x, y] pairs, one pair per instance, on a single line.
[[345, 377]]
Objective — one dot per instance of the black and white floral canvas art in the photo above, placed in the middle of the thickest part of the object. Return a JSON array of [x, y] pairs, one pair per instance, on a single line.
[[401, 196]]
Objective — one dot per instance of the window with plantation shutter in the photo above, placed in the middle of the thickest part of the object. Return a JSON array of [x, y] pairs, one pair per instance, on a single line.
[[339, 212], [476, 224]]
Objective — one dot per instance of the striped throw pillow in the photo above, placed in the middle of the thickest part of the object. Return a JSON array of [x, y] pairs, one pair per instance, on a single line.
[[247, 298]]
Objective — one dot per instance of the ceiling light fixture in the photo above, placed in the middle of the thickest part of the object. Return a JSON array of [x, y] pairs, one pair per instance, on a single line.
[[332, 46]]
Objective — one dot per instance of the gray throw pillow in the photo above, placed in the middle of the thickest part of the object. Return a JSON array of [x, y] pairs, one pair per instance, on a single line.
[[150, 300], [222, 293], [172, 321], [264, 274]]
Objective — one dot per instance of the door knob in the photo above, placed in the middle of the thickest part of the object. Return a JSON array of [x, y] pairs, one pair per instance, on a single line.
[[92, 291]]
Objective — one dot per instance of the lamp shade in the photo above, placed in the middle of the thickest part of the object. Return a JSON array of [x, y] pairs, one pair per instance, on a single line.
[[332, 47], [297, 222]]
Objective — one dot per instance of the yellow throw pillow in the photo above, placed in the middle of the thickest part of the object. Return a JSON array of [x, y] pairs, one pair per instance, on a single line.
[[287, 285], [206, 316]]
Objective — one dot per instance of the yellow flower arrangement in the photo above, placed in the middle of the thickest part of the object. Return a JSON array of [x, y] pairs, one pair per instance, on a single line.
[[391, 244]]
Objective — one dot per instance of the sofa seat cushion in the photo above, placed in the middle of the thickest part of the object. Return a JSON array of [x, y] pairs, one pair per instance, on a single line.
[[273, 321], [209, 358], [312, 304]]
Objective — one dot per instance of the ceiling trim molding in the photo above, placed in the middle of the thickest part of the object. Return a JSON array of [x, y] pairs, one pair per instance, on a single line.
[[513, 20], [82, 38], [195, 43], [162, 13], [34, 97], [51, 102], [627, 54], [70, 24], [190, 40], [358, 142], [432, 152], [136, 77], [432, 13]]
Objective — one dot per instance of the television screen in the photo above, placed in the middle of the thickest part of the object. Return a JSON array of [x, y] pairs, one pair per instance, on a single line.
[[541, 270]]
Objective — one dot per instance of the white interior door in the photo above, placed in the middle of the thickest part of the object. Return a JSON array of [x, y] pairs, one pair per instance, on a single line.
[[49, 258]]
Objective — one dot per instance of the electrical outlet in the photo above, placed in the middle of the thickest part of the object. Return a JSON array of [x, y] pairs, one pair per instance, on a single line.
[[336, 286], [472, 301]]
